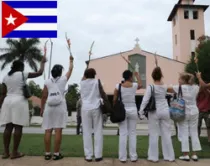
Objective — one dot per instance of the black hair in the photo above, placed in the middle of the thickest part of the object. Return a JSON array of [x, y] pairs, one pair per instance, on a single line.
[[57, 71], [90, 73], [157, 74], [127, 75], [17, 65]]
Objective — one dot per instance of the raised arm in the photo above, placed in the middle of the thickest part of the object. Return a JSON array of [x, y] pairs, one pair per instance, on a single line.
[[170, 89], [201, 82], [145, 100], [3, 94], [138, 80], [71, 66], [40, 72], [44, 99]]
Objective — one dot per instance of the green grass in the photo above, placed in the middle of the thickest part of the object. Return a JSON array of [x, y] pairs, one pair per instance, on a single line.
[[72, 146], [72, 126]]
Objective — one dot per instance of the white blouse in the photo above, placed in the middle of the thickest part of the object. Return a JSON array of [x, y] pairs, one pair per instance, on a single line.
[[90, 94], [162, 108], [128, 96], [190, 93], [15, 83]]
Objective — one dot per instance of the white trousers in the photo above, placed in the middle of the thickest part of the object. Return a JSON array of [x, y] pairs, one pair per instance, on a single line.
[[92, 120], [189, 127], [128, 129], [160, 127]]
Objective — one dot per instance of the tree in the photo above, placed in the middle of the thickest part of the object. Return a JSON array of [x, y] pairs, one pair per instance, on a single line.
[[72, 97], [23, 49], [203, 56], [35, 89]]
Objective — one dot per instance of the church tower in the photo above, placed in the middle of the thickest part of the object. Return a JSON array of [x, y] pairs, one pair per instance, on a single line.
[[187, 26]]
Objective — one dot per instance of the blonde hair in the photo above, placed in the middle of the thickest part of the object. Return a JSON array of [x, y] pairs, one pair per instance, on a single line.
[[187, 78]]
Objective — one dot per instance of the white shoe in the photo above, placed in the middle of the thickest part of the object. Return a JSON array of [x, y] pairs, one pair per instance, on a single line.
[[194, 157], [184, 158]]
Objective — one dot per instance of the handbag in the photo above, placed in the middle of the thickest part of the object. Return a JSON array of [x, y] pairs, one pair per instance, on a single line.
[[151, 106], [177, 108], [55, 97], [105, 105], [119, 113], [26, 90]]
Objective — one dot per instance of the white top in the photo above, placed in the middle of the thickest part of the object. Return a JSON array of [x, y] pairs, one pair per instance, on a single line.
[[90, 94], [128, 96], [162, 108], [61, 82], [15, 83], [190, 93]]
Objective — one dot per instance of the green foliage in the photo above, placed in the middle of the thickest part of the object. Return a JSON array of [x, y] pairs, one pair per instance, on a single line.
[[71, 97], [23, 49], [203, 56], [35, 89]]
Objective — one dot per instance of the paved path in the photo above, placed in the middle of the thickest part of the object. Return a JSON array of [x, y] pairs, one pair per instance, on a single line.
[[39, 161]]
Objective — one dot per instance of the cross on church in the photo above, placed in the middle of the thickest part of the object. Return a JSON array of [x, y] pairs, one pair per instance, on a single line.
[[137, 40]]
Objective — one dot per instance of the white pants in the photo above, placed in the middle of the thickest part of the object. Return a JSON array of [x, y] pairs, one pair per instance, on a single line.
[[160, 127], [189, 127], [128, 128], [88, 118]]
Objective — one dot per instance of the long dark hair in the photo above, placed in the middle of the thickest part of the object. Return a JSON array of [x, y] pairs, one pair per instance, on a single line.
[[17, 65], [57, 71]]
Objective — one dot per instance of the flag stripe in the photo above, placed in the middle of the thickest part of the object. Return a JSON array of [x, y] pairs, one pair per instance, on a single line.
[[42, 19], [32, 4], [37, 26], [32, 34], [37, 12]]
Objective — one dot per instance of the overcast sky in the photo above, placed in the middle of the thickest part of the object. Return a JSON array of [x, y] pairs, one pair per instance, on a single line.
[[113, 25]]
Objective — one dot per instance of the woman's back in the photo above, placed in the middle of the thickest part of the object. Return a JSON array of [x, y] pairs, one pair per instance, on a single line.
[[128, 95], [190, 93], [160, 97], [60, 82], [90, 94], [15, 83]]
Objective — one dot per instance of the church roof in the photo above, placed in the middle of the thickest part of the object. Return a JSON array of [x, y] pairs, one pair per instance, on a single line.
[[177, 6], [118, 54], [181, 1]]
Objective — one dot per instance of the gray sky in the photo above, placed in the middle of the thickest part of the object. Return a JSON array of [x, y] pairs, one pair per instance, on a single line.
[[114, 25]]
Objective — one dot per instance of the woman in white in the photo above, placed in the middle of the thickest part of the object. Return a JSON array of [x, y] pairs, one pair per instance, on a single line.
[[54, 109], [91, 116], [159, 120], [127, 128], [15, 110], [189, 126]]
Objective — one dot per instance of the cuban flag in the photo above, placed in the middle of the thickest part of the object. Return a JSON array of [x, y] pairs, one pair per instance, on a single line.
[[29, 19]]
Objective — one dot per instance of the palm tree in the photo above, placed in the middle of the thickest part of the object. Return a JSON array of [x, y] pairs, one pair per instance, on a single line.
[[23, 49]]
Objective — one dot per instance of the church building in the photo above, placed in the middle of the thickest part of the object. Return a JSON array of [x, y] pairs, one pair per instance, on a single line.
[[187, 19]]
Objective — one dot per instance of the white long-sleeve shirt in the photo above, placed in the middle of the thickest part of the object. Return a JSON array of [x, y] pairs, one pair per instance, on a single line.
[[162, 108]]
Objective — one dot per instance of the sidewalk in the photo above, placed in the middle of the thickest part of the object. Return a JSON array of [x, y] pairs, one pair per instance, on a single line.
[[39, 161]]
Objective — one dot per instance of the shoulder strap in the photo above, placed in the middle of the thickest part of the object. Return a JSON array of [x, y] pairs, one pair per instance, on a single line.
[[119, 92], [24, 81], [180, 94], [152, 90]]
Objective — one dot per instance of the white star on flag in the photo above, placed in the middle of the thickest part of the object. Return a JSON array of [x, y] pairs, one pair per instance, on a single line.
[[10, 19]]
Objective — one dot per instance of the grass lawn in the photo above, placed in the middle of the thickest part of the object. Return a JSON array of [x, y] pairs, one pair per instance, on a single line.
[[72, 126], [72, 146]]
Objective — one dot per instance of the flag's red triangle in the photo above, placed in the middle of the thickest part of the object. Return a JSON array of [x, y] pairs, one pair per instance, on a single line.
[[9, 12]]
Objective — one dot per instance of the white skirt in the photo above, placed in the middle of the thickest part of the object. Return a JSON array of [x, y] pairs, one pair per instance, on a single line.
[[55, 117], [15, 109]]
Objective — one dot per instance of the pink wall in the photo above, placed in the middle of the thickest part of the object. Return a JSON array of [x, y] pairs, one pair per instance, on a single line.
[[109, 69]]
